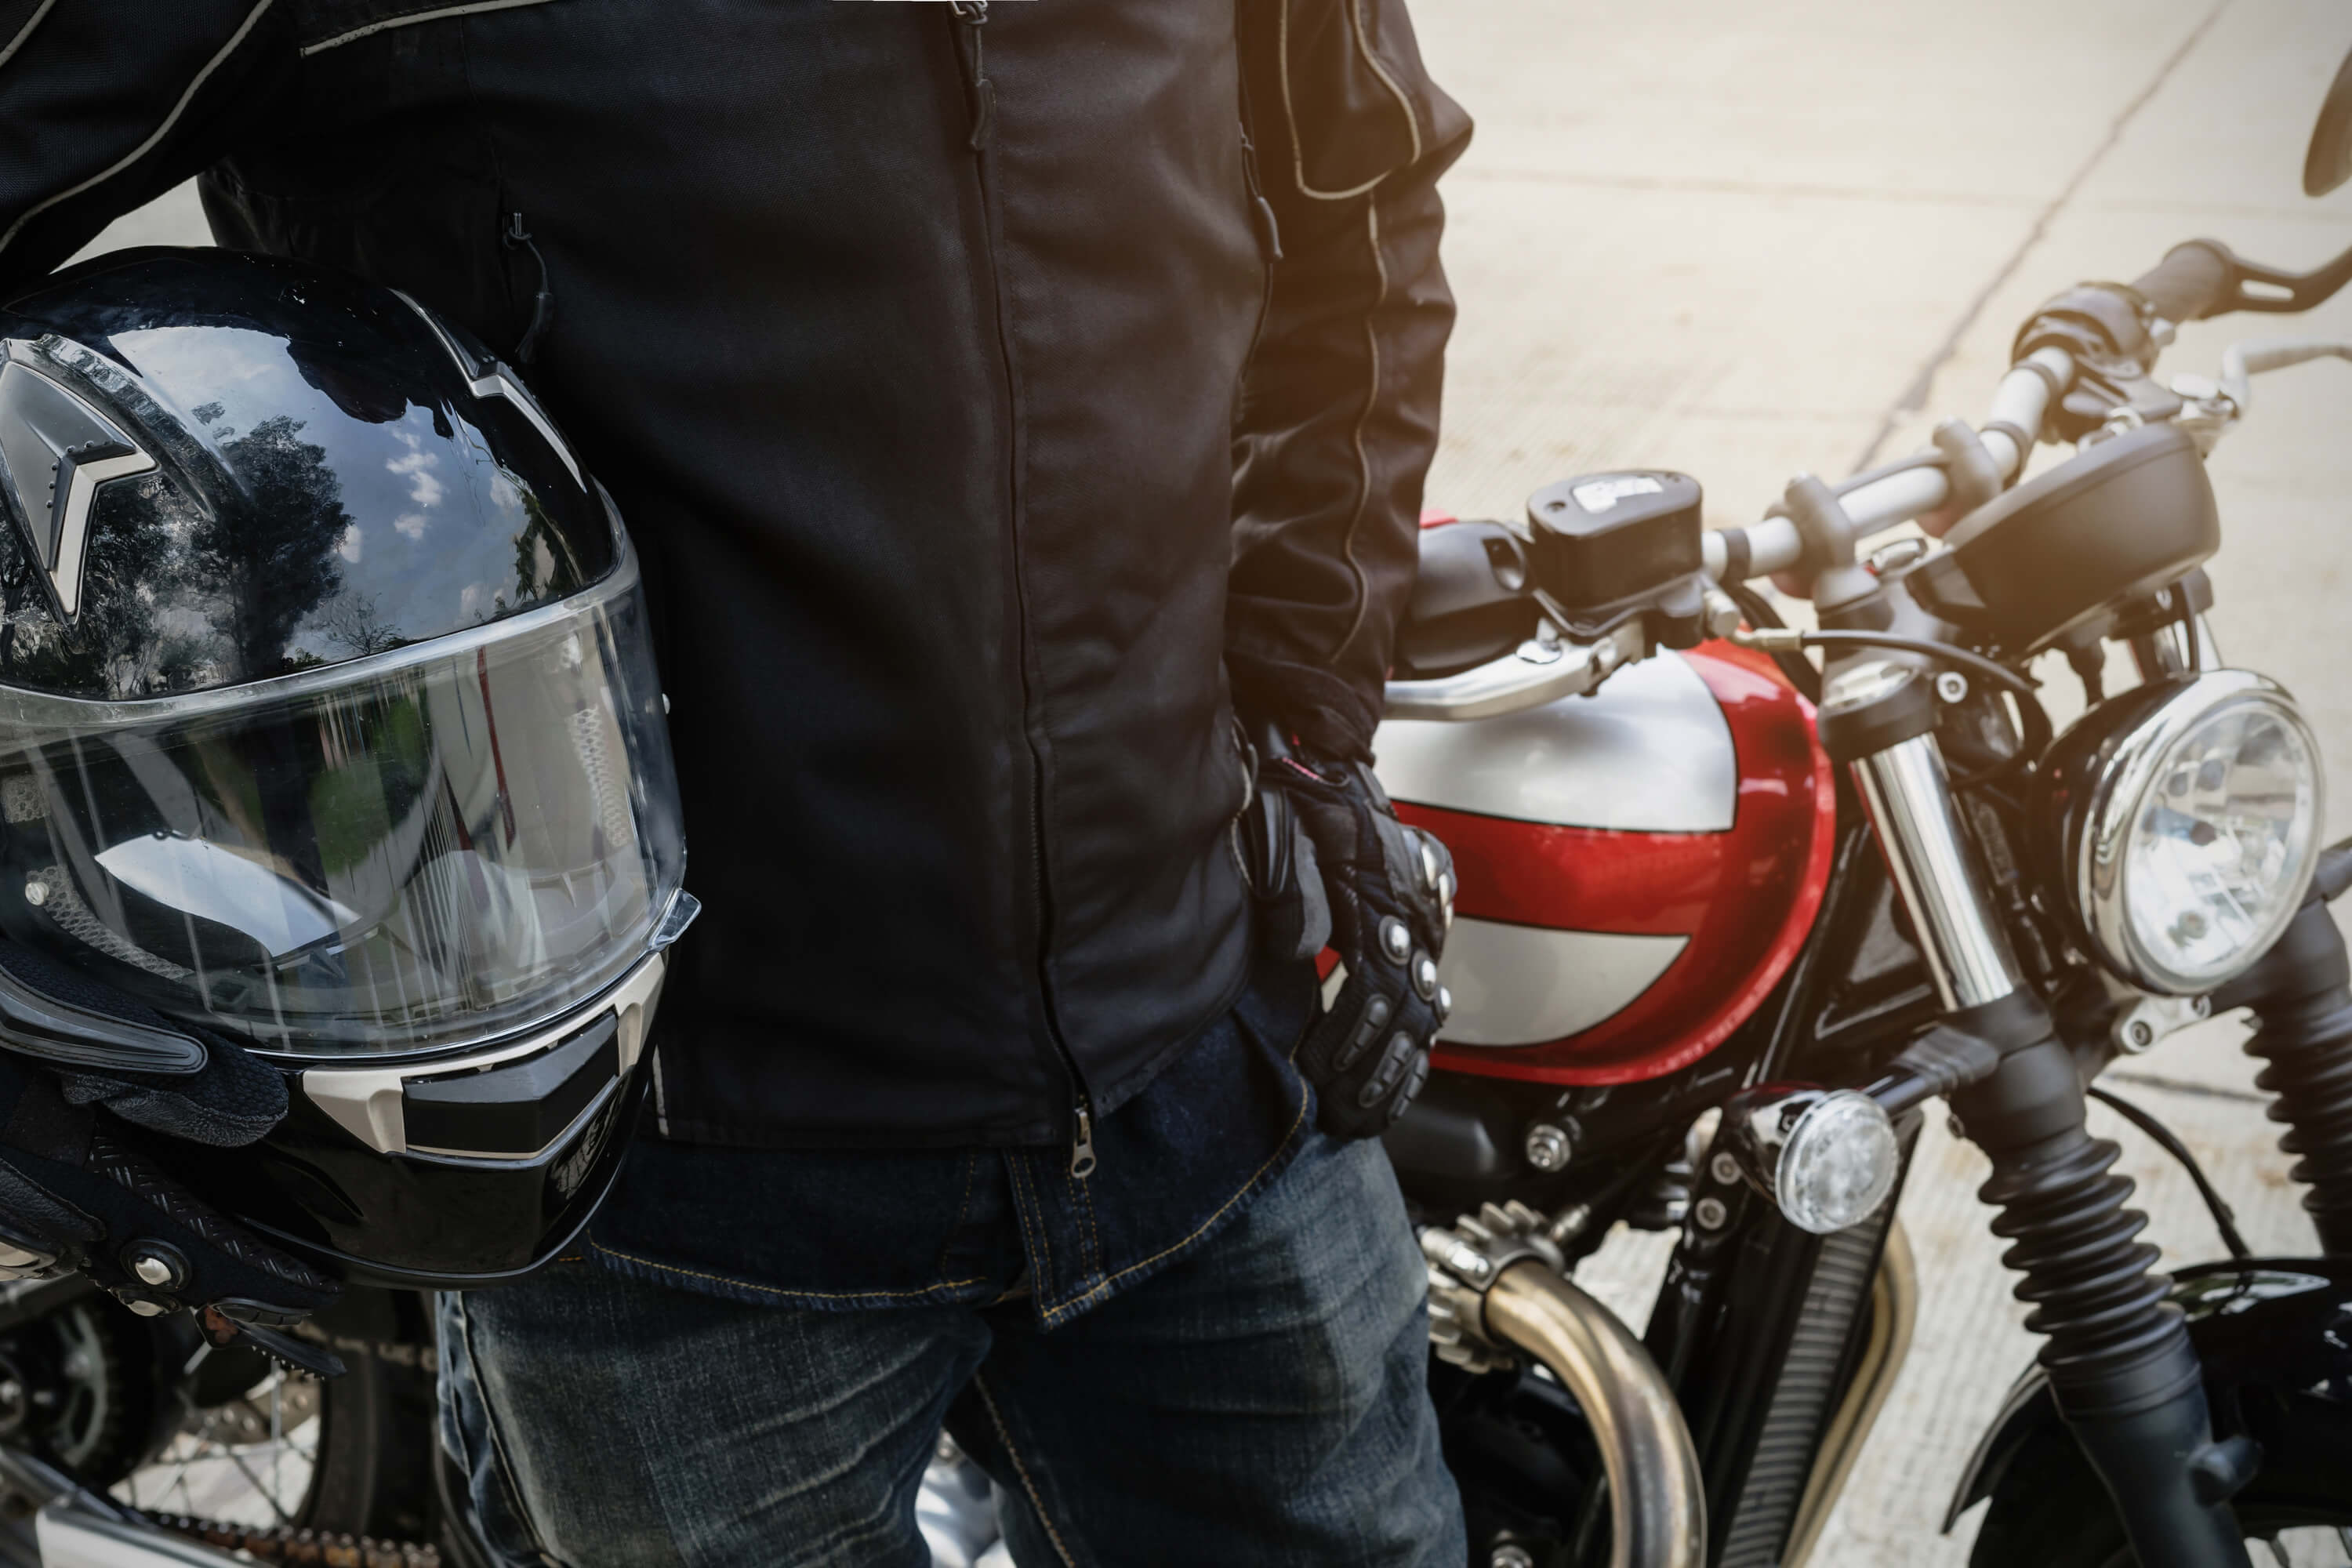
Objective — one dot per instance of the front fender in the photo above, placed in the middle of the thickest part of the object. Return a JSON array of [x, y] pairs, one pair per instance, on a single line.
[[2270, 1328]]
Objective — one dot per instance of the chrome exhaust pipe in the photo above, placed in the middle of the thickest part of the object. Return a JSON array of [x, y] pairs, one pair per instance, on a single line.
[[1657, 1512], [1494, 1281]]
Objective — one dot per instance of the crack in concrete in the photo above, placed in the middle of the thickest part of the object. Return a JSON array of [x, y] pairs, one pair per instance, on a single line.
[[1913, 397]]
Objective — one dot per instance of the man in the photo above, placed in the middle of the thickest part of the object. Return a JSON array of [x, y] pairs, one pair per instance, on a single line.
[[1021, 409]]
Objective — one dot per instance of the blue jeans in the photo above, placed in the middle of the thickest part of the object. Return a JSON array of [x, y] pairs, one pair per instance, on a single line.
[[1263, 1401]]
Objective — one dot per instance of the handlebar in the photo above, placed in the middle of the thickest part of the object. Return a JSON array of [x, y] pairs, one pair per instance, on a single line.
[[2194, 281], [2241, 361], [2203, 279], [1871, 503], [2199, 279]]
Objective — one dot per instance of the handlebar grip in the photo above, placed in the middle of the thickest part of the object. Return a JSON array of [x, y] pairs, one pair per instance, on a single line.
[[2194, 281]]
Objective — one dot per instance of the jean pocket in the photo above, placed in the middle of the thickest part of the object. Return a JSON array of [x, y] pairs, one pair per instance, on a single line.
[[495, 1516]]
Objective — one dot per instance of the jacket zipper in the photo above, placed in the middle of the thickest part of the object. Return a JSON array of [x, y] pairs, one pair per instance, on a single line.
[[972, 15]]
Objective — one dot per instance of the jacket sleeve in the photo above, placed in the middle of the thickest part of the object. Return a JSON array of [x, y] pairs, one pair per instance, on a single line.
[[106, 104], [1337, 417]]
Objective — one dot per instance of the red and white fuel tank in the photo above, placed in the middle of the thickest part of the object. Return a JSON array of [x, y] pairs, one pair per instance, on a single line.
[[1637, 868]]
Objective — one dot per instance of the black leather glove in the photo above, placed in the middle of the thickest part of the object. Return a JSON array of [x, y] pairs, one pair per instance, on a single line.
[[78, 1187], [1337, 867]]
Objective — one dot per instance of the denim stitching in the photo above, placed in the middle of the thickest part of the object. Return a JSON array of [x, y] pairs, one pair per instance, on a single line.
[[1042, 1253], [773, 1290], [1094, 1239], [963, 1207], [1028, 1485], [1074, 1304]]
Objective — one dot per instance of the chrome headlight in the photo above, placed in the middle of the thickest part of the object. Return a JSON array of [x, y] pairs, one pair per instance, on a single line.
[[2189, 820]]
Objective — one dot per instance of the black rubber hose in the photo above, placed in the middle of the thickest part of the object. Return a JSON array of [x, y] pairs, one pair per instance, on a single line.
[[2124, 1376], [2036, 732], [2309, 1081], [1992, 670], [2087, 1273], [2334, 877], [2301, 995], [2225, 1218]]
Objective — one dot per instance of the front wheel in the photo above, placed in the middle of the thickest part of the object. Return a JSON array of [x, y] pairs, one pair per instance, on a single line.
[[2052, 1511]]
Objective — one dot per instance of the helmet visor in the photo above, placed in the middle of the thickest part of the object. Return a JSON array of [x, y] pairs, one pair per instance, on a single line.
[[428, 848]]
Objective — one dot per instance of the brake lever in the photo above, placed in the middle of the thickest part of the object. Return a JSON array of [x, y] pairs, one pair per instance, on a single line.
[[222, 1332]]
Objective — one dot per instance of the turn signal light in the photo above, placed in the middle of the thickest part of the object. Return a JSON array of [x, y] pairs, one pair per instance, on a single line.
[[1826, 1157]]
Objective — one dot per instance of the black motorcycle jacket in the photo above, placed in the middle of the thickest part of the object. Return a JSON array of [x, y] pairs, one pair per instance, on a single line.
[[998, 395]]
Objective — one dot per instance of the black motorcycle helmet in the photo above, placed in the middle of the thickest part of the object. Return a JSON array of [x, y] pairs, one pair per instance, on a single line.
[[329, 720]]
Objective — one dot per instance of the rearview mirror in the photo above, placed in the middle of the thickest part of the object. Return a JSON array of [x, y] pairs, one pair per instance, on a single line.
[[2329, 163]]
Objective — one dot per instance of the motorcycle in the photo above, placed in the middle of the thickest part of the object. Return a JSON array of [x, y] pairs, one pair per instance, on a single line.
[[1727, 924]]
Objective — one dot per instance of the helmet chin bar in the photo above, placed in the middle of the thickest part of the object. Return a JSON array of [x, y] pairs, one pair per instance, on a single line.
[[511, 1104]]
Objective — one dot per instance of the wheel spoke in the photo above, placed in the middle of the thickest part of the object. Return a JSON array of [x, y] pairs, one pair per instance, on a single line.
[[180, 1479], [268, 1494], [277, 1438]]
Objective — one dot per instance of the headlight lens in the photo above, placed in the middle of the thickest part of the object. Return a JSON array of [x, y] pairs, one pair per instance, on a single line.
[[2201, 831]]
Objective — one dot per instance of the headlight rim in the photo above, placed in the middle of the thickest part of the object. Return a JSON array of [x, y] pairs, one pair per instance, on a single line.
[[2124, 767]]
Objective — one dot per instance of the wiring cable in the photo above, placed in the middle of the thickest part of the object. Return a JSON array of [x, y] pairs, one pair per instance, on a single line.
[[2225, 1219]]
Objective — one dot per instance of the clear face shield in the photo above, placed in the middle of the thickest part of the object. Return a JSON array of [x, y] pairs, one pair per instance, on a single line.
[[432, 846]]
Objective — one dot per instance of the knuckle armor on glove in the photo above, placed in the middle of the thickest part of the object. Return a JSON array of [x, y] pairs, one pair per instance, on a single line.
[[1380, 893]]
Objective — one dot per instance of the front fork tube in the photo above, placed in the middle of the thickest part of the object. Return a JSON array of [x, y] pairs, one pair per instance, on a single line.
[[2118, 1353]]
